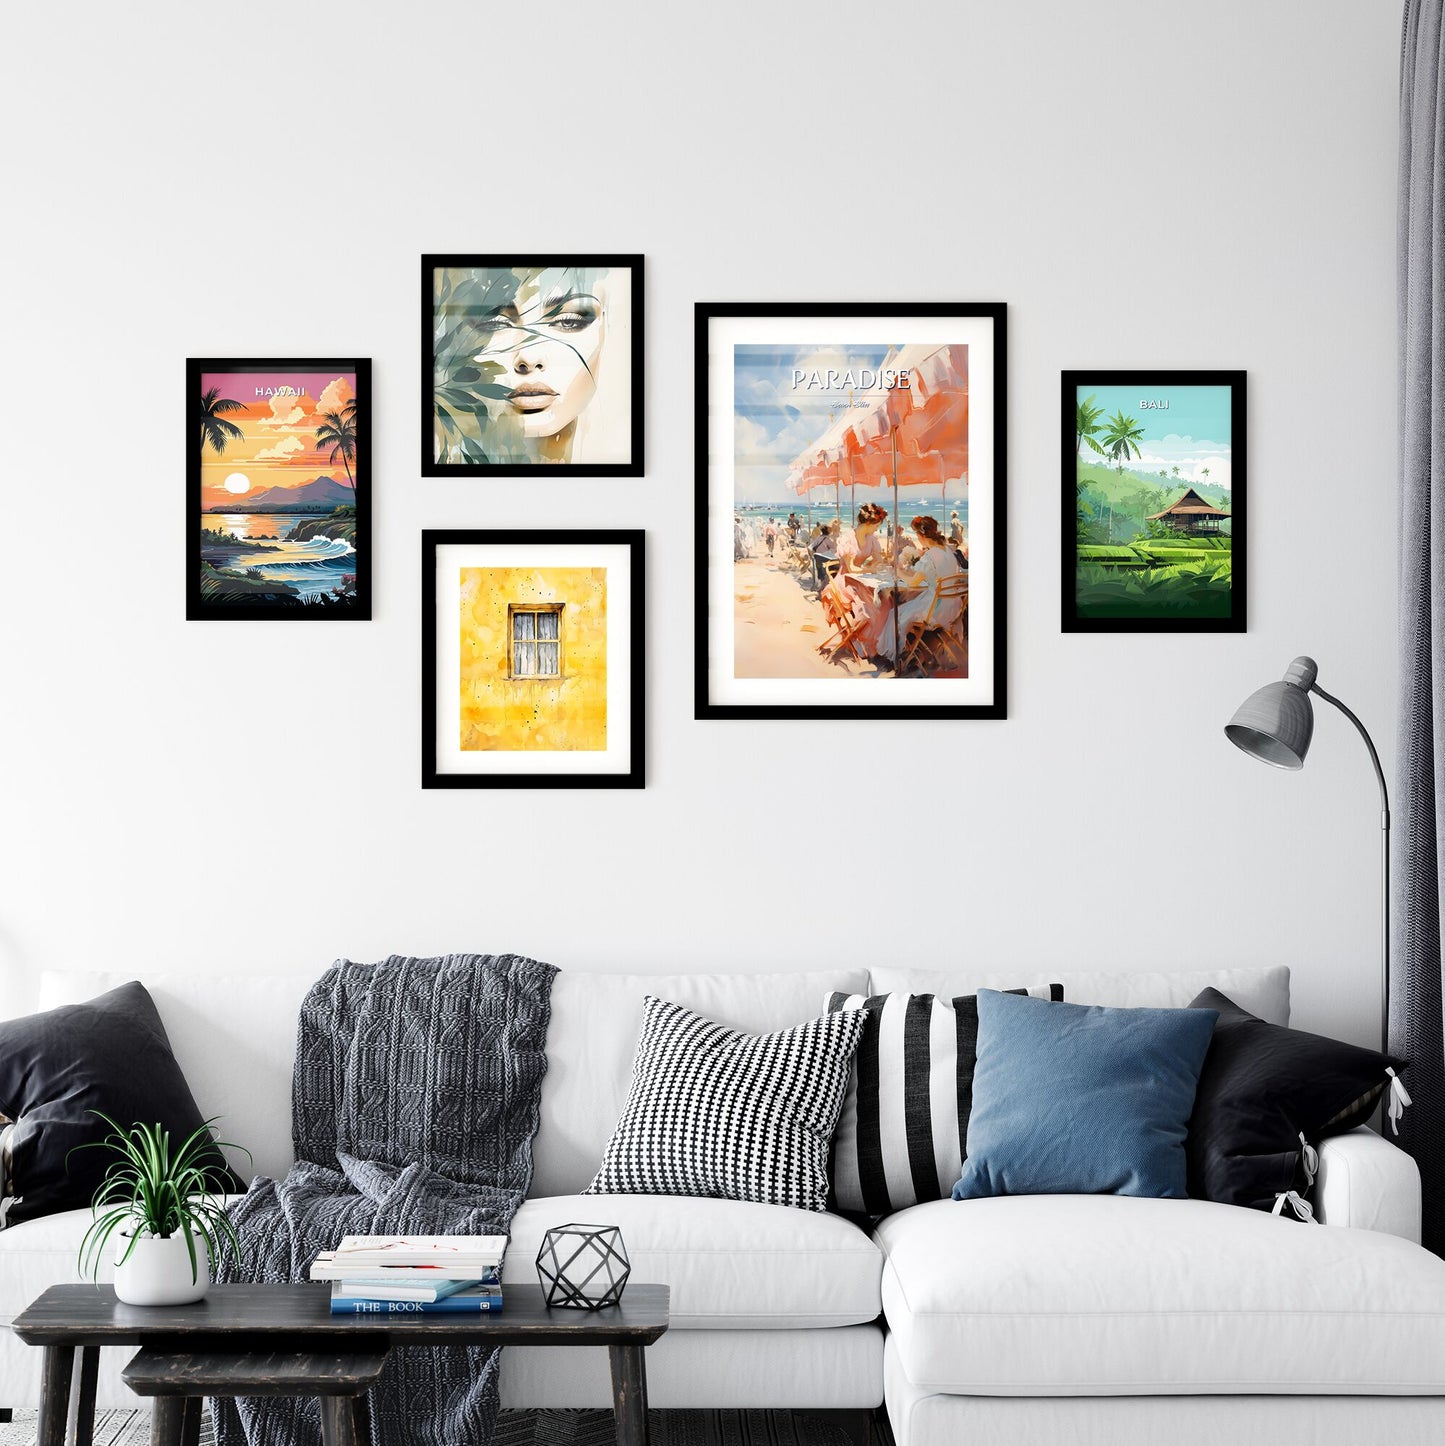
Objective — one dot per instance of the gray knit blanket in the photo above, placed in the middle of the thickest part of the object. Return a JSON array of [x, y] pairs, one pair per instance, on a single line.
[[414, 1102]]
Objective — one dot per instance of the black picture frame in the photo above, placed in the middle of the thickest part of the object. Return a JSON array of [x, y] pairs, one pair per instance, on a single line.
[[1071, 382], [704, 314], [357, 610], [634, 539], [634, 467]]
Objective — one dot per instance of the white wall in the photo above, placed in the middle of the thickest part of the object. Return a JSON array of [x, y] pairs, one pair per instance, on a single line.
[[1173, 185]]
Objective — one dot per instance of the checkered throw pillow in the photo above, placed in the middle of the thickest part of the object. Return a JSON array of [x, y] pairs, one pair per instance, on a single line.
[[713, 1111]]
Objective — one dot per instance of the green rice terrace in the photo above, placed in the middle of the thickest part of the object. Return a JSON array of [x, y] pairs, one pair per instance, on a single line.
[[1148, 547]]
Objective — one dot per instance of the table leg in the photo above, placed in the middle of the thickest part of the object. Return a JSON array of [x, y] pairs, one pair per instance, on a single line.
[[85, 1395], [362, 1405], [168, 1416], [629, 1394], [191, 1421], [55, 1395], [341, 1421]]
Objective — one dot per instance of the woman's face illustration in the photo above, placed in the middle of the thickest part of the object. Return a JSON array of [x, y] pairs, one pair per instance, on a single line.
[[549, 341]]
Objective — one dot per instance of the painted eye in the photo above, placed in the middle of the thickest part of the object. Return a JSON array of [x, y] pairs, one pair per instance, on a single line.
[[492, 324], [572, 320]]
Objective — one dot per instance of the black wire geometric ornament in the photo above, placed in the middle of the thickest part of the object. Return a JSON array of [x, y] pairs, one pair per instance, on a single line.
[[583, 1267]]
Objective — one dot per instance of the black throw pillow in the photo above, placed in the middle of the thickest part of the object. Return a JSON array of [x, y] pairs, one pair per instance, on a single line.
[[1261, 1089], [109, 1054]]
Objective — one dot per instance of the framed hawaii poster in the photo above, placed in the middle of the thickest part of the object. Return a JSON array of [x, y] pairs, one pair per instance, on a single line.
[[851, 510], [278, 489], [532, 659], [531, 364], [1154, 507]]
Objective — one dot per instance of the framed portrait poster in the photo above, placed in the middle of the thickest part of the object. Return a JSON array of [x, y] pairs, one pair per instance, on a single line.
[[851, 510], [532, 659], [279, 489], [1154, 503], [531, 363]]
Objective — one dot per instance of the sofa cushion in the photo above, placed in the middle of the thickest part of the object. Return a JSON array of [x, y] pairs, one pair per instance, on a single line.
[[725, 1114], [731, 1265], [1266, 1097], [69, 1078], [1096, 1295], [590, 1043], [1080, 1099], [234, 1037], [37, 1254], [904, 1120], [1264, 992]]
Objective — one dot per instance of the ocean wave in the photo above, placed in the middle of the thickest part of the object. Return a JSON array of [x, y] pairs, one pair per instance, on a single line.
[[322, 547], [299, 564]]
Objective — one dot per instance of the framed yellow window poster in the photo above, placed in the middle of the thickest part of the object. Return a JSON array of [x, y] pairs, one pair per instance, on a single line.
[[532, 659]]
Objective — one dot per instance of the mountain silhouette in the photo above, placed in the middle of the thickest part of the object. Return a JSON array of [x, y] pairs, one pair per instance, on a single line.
[[322, 492]]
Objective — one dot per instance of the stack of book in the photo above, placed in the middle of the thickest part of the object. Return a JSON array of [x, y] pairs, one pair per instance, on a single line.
[[400, 1274]]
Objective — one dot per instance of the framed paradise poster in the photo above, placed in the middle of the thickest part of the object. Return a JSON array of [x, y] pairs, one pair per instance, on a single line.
[[1154, 504], [532, 659], [278, 489], [531, 363], [851, 510]]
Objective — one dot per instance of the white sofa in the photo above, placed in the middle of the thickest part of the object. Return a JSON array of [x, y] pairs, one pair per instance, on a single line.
[[1032, 1319]]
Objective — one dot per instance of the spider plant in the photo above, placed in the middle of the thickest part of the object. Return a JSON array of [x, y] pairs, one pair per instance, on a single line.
[[152, 1190]]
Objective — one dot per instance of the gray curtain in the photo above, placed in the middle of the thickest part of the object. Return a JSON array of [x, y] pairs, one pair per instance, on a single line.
[[1419, 882]]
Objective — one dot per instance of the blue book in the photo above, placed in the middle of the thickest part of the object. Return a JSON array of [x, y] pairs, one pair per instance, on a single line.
[[463, 1303]]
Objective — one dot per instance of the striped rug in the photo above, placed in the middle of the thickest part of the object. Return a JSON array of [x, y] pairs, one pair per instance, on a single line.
[[541, 1428]]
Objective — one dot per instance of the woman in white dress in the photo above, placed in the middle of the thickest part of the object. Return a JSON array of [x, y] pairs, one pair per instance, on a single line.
[[936, 562]]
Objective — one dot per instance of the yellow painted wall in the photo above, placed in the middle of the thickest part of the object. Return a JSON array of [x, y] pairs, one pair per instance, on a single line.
[[499, 713]]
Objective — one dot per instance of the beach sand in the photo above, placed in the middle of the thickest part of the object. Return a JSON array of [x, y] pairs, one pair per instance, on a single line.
[[778, 625]]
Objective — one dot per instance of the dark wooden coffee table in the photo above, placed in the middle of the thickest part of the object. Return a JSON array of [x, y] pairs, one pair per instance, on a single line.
[[239, 1322]]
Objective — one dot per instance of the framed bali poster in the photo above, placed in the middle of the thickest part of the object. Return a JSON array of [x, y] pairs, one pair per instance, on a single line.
[[531, 363], [279, 489], [1154, 502], [851, 510], [532, 659]]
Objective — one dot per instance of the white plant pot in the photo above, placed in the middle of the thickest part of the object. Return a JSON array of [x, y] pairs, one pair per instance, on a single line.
[[158, 1271]]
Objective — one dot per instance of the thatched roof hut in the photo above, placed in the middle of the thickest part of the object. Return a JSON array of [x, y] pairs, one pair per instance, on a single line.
[[1191, 514]]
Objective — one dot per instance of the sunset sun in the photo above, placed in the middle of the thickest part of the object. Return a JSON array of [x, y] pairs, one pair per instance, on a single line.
[[238, 482]]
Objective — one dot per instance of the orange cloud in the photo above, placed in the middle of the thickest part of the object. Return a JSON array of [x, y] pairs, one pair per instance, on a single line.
[[335, 395], [284, 448]]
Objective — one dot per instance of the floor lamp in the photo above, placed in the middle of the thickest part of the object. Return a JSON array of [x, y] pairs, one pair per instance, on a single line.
[[1275, 725]]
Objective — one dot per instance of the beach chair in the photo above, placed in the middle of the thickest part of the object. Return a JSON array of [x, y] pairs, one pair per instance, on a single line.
[[846, 624], [937, 646]]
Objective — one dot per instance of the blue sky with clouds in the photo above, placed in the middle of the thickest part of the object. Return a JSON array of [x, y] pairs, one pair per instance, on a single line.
[[772, 421], [1193, 434]]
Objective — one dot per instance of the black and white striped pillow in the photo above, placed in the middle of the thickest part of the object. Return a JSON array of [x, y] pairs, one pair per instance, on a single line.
[[717, 1112], [903, 1131]]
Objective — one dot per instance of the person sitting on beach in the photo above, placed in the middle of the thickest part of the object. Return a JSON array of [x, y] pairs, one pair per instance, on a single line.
[[935, 563], [794, 523], [862, 550], [823, 548]]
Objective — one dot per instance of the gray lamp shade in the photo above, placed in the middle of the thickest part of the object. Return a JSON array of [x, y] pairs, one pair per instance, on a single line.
[[1276, 722]]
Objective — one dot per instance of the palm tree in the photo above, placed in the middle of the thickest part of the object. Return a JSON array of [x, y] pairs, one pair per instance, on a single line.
[[1121, 441], [215, 429], [1204, 474], [338, 431], [1086, 423]]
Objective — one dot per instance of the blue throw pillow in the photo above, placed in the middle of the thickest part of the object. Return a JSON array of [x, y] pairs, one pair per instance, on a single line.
[[1074, 1099]]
